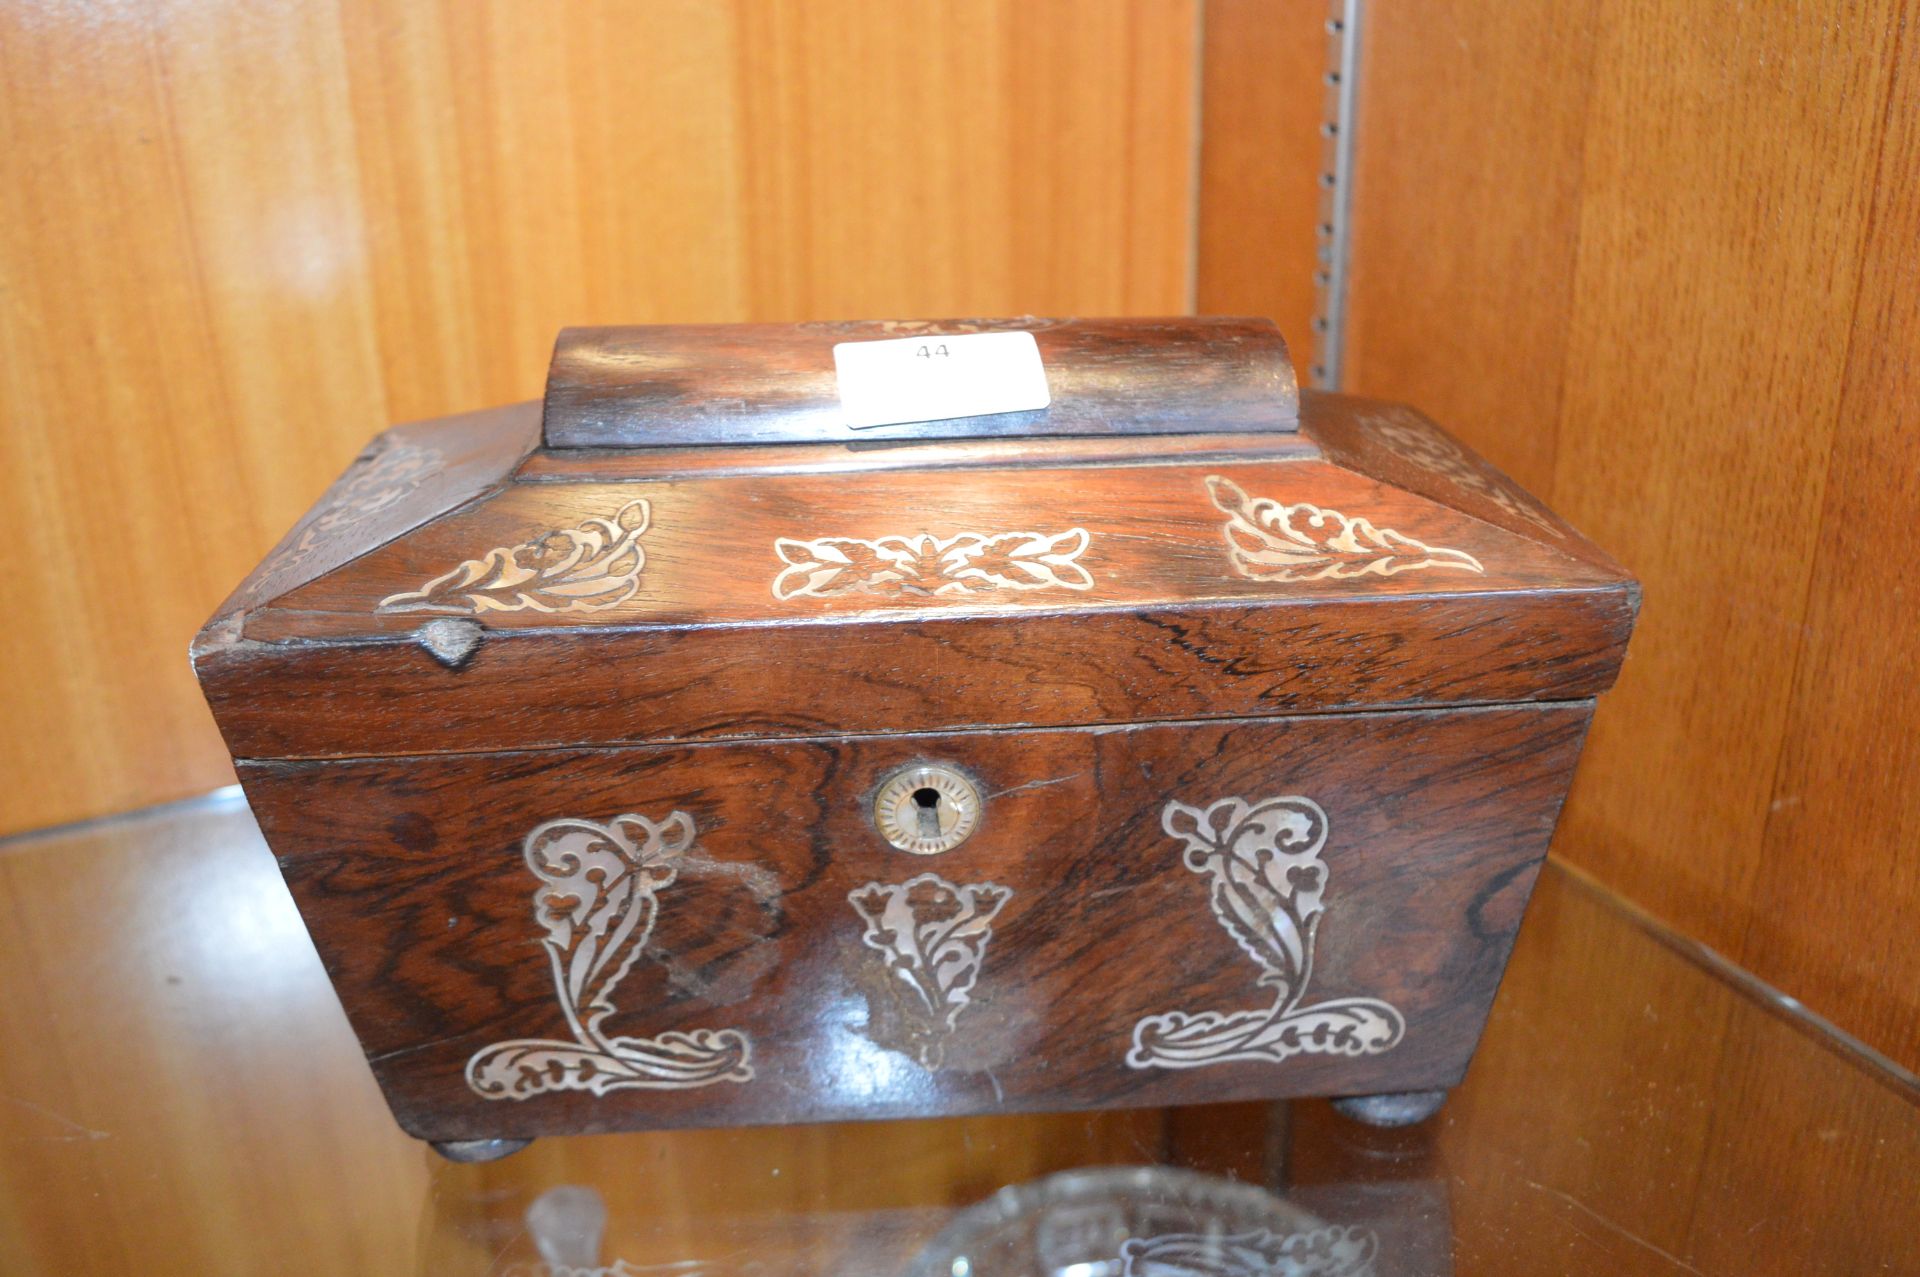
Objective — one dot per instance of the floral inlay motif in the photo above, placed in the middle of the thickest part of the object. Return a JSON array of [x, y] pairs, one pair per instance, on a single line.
[[383, 478], [1422, 445], [1271, 541], [597, 901], [934, 936], [969, 563], [1268, 880], [588, 568]]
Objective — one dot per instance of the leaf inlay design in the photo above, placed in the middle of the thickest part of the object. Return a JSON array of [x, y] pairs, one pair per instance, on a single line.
[[597, 900], [588, 568], [382, 477], [934, 935], [1420, 444], [1271, 541], [969, 563], [1267, 882]]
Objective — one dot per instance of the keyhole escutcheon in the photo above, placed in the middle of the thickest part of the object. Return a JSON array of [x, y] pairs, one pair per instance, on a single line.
[[926, 808]]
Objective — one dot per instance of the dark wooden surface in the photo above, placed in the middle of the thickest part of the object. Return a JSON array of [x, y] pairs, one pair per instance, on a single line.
[[774, 383], [405, 477], [1155, 537], [559, 686], [418, 899], [1164, 626], [575, 465]]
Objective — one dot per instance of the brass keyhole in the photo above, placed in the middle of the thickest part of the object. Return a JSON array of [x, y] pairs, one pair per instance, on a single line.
[[926, 809]]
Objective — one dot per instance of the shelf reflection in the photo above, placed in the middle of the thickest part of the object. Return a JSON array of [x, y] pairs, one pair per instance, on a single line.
[[1206, 1192]]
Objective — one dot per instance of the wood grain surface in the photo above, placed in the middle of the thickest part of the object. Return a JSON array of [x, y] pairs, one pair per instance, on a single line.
[[238, 239], [417, 896], [694, 384], [552, 687], [1261, 108], [1155, 535], [735, 604], [1663, 257]]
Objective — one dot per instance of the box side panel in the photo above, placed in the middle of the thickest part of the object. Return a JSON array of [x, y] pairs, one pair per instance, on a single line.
[[546, 688], [589, 940]]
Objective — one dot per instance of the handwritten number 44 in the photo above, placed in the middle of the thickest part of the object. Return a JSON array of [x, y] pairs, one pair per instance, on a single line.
[[931, 352]]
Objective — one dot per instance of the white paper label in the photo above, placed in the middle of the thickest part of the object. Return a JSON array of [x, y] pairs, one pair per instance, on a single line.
[[907, 379]]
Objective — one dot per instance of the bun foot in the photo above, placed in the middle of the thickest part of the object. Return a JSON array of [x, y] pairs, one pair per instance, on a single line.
[[477, 1150], [1395, 1108]]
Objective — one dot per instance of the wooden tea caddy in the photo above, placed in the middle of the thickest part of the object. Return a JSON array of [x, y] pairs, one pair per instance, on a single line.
[[668, 754]]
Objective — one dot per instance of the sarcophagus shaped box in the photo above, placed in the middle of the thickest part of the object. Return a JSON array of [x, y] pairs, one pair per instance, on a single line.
[[728, 740]]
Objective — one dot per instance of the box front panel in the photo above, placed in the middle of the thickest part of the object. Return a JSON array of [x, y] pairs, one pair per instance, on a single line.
[[581, 940]]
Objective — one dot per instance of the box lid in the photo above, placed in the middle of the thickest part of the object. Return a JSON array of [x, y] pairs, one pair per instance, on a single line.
[[1179, 534]]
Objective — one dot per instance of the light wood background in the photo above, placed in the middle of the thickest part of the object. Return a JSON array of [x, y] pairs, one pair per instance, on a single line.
[[1261, 108], [237, 239], [1659, 260]]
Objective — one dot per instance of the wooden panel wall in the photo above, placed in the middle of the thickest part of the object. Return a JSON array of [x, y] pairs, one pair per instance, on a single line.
[[238, 238], [1659, 259], [1262, 104]]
